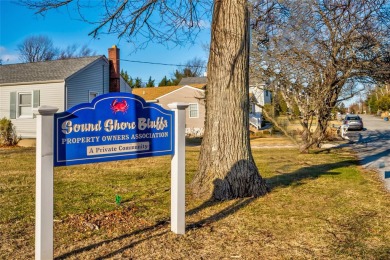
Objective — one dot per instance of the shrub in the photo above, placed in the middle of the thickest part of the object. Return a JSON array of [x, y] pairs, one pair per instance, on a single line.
[[384, 103], [8, 135]]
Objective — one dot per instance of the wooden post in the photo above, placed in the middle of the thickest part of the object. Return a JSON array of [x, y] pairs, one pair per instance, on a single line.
[[44, 184], [178, 170]]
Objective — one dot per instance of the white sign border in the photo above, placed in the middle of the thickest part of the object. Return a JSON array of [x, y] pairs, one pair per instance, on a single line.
[[44, 205]]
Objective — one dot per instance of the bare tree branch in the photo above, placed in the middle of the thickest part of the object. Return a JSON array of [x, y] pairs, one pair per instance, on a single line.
[[320, 49]]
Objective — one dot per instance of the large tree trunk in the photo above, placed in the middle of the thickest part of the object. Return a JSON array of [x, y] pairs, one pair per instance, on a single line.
[[226, 166]]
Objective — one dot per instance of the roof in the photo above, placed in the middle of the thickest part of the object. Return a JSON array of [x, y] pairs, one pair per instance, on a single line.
[[43, 71], [154, 93], [193, 80]]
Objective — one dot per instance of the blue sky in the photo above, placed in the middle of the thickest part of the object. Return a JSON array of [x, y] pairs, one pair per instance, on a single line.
[[17, 22]]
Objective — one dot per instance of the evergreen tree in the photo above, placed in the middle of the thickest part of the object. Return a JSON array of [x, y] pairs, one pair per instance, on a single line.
[[131, 82], [150, 83], [177, 76], [383, 102], [165, 82], [137, 83], [372, 103], [127, 78]]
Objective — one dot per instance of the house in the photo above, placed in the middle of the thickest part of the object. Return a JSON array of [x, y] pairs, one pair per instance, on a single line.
[[191, 94], [59, 83], [191, 90], [258, 97]]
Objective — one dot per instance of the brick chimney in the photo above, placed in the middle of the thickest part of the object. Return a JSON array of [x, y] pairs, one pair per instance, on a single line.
[[113, 58]]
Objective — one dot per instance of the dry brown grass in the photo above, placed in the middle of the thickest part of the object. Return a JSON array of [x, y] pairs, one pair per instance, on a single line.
[[320, 206], [271, 141]]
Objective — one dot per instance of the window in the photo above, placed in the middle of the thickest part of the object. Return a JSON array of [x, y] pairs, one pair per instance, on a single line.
[[194, 113], [25, 105], [92, 95], [22, 103]]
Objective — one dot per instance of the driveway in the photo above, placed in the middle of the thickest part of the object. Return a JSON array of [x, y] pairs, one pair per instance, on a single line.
[[373, 146]]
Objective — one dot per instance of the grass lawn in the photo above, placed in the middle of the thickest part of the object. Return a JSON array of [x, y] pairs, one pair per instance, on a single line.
[[321, 205]]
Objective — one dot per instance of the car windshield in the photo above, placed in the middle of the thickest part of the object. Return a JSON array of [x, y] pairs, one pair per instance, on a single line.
[[353, 118]]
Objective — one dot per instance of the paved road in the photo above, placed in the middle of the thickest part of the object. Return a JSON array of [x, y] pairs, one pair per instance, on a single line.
[[373, 146]]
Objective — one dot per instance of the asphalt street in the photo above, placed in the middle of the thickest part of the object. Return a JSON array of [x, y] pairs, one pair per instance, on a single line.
[[373, 146]]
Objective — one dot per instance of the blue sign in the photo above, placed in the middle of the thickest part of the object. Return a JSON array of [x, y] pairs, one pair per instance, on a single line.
[[114, 126]]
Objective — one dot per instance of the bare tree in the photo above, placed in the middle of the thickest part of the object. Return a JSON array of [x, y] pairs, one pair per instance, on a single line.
[[73, 51], [381, 72], [226, 168], [41, 48], [196, 67], [315, 53], [192, 68], [37, 48]]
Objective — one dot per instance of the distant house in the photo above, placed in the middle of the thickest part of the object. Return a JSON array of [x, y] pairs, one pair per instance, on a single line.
[[193, 95], [59, 83], [259, 96], [191, 90]]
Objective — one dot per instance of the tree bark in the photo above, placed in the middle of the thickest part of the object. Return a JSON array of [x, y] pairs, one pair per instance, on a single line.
[[323, 118], [226, 166]]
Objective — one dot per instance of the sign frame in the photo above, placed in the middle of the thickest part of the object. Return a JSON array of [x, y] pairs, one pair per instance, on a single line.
[[44, 205]]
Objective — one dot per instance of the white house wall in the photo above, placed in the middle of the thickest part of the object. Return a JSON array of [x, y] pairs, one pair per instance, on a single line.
[[94, 78], [261, 95], [51, 94]]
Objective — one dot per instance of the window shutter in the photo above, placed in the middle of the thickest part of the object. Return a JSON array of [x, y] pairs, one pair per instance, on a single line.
[[36, 99], [12, 105]]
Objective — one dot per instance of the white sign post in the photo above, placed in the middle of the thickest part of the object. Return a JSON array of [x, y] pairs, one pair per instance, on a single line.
[[44, 184], [178, 170]]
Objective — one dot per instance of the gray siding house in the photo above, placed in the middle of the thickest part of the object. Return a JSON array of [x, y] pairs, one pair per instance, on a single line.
[[193, 95], [59, 83], [259, 96], [191, 90]]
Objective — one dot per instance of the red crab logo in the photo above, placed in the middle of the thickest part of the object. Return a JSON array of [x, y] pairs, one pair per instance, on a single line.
[[119, 106]]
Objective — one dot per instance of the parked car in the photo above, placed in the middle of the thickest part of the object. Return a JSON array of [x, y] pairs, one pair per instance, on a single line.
[[354, 122]]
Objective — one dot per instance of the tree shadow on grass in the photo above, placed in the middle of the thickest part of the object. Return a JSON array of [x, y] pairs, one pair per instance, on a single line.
[[284, 180], [231, 209], [196, 225], [307, 173], [163, 225], [119, 238]]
